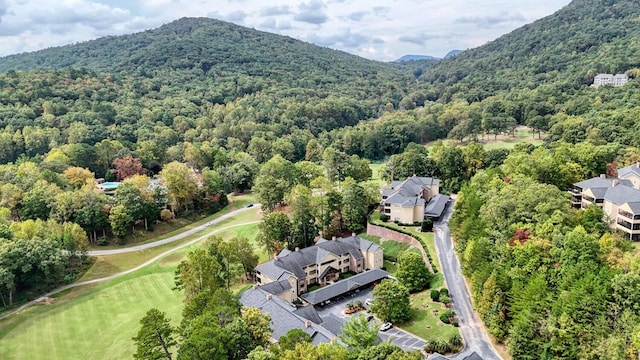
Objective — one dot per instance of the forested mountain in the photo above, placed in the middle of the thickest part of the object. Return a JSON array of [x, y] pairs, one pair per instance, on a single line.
[[210, 46], [566, 49]]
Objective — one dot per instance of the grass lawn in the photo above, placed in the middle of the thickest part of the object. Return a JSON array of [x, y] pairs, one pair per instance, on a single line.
[[428, 239], [424, 323], [112, 264], [98, 321], [167, 229], [375, 173], [521, 135], [93, 322]]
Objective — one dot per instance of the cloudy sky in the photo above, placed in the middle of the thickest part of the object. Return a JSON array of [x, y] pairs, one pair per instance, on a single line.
[[376, 29]]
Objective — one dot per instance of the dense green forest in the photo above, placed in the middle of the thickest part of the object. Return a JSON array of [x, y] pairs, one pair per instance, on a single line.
[[212, 107]]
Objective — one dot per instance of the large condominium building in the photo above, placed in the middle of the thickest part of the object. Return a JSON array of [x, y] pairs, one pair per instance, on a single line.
[[619, 198], [413, 200]]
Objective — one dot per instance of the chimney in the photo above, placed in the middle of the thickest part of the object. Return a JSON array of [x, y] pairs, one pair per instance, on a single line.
[[638, 164], [275, 257], [615, 182], [269, 296], [297, 248], [353, 234], [307, 323], [333, 238], [603, 176], [255, 286]]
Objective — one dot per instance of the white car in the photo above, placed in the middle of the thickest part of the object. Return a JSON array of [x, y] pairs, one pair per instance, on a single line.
[[368, 302], [386, 326]]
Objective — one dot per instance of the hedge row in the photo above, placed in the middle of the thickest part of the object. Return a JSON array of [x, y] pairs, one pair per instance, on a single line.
[[424, 246]]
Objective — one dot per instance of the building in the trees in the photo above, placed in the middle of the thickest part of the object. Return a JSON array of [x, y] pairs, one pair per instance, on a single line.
[[290, 273], [610, 79], [618, 197], [413, 200], [286, 317]]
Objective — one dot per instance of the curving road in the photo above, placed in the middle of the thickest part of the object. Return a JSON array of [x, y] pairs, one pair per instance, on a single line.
[[136, 248], [471, 327], [173, 238]]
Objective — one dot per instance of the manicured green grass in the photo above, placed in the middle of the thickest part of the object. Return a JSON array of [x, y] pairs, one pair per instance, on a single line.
[[372, 238], [427, 238], [393, 248], [98, 321], [521, 135], [391, 267], [94, 323], [375, 173], [424, 323]]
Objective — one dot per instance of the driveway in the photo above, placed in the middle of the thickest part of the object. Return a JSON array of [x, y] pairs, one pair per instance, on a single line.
[[398, 337], [471, 326]]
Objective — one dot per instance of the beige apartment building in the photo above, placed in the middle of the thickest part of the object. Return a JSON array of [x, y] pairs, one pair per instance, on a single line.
[[413, 200], [292, 272], [618, 197]]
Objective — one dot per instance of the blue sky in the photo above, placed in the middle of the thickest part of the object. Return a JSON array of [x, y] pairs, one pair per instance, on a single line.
[[376, 29]]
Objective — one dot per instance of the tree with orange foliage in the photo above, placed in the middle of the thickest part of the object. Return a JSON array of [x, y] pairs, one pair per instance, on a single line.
[[126, 167]]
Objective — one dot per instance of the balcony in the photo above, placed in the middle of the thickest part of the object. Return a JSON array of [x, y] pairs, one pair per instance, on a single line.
[[629, 216], [626, 226]]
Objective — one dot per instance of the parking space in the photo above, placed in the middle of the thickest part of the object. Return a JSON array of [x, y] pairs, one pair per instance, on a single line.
[[402, 339], [398, 337]]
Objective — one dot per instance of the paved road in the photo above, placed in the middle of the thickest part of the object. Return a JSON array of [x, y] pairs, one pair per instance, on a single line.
[[472, 329], [114, 276], [173, 238]]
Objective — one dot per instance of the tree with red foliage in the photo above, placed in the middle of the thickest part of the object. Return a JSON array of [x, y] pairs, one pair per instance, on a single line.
[[521, 236], [127, 166]]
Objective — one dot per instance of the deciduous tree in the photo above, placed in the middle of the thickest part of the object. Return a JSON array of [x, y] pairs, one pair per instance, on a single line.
[[155, 337]]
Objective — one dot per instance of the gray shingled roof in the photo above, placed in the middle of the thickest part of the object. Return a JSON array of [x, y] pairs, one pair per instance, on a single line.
[[473, 356], [294, 262], [283, 316], [621, 194], [309, 313], [276, 287], [407, 193], [635, 207], [436, 206], [333, 324], [633, 169], [599, 182], [272, 270], [344, 286]]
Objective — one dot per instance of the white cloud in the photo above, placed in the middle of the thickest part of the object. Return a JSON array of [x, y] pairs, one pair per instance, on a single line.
[[376, 29]]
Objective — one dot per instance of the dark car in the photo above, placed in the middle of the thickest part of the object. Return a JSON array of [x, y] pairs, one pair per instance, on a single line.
[[250, 205]]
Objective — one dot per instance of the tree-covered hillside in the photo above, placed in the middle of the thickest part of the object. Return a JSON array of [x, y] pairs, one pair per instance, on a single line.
[[566, 49]]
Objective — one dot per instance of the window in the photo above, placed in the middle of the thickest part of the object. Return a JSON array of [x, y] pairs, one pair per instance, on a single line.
[[328, 262]]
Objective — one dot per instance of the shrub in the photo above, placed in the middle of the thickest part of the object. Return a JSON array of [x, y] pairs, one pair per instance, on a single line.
[[102, 241], [433, 346], [455, 324], [384, 217], [358, 303], [435, 295], [445, 299], [166, 215], [444, 318], [444, 291], [427, 225], [455, 342]]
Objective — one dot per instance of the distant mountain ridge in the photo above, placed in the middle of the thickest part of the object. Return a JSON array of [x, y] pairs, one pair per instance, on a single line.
[[406, 58], [203, 43], [409, 57]]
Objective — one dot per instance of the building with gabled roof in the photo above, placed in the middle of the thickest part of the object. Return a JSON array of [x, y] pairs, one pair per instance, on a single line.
[[414, 199], [319, 264], [619, 198], [286, 317]]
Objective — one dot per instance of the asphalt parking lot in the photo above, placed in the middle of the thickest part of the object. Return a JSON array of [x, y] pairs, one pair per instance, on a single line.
[[398, 337]]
